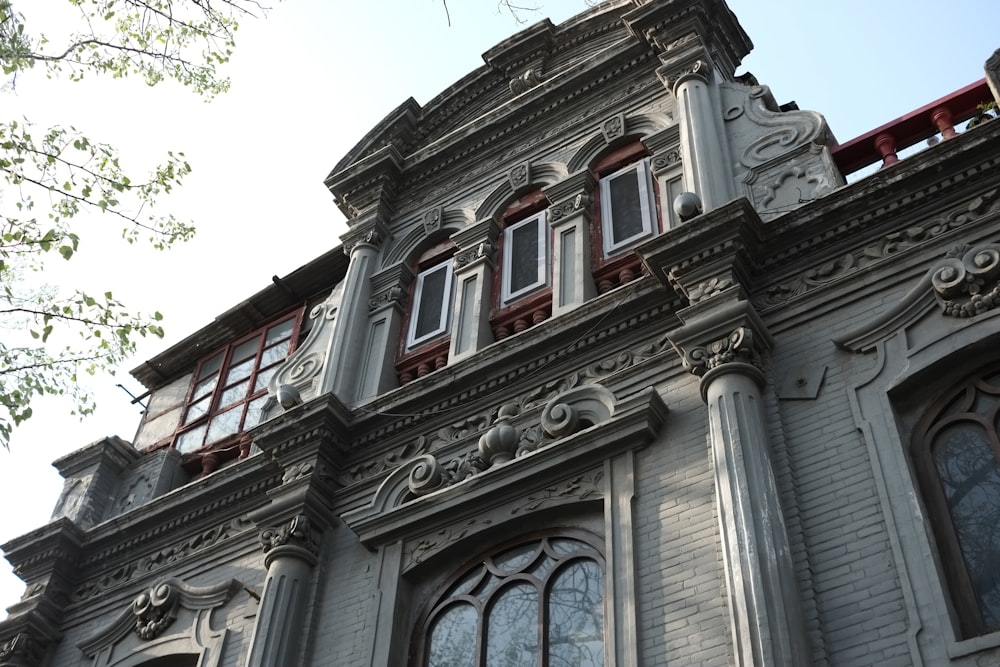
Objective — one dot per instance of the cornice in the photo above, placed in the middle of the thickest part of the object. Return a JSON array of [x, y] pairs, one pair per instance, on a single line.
[[112, 450], [887, 215]]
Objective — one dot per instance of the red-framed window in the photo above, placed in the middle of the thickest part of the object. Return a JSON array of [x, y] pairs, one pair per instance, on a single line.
[[229, 389], [427, 323], [522, 286], [626, 212]]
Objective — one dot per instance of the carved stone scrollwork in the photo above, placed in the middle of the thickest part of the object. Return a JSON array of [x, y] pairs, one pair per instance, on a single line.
[[708, 288], [392, 296], [155, 610], [738, 346], [369, 238], [484, 249], [21, 649], [967, 283], [525, 82], [567, 208], [667, 159], [296, 532], [576, 409], [699, 69]]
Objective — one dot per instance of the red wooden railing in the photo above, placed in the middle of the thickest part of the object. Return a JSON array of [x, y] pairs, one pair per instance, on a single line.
[[940, 116]]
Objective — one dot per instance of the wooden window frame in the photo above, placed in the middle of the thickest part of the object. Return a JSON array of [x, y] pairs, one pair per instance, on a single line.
[[219, 388]]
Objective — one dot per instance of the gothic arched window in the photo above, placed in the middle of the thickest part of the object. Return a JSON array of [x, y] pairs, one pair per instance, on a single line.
[[537, 602], [957, 456]]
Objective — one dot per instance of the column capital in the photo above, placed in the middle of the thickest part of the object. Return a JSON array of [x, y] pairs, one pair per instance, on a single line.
[[370, 233], [729, 337], [476, 244], [295, 538]]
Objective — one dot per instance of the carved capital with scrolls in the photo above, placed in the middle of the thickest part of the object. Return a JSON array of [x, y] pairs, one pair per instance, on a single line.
[[155, 610], [967, 282], [393, 296], [363, 238], [297, 532], [736, 347], [673, 76], [565, 209], [525, 81], [484, 250]]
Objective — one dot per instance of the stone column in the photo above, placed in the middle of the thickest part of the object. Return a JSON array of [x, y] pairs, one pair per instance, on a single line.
[[569, 218], [690, 78], [722, 345], [291, 550], [341, 366], [474, 266]]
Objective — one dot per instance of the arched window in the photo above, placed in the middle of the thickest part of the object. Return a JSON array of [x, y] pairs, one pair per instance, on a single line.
[[956, 452], [537, 602], [625, 213], [427, 326], [522, 287]]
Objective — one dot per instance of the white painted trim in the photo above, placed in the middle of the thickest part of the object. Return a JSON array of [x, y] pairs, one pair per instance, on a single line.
[[646, 204], [542, 263], [444, 316]]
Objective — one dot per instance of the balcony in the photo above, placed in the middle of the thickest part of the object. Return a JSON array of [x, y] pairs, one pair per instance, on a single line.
[[883, 145]]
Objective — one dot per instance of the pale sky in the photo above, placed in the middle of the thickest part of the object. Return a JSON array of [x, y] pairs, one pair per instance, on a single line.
[[311, 80]]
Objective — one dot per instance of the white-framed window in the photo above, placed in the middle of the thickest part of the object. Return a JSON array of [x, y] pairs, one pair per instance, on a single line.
[[627, 206], [431, 312], [525, 258]]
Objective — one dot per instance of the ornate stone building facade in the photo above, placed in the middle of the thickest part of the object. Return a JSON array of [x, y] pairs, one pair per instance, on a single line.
[[612, 368]]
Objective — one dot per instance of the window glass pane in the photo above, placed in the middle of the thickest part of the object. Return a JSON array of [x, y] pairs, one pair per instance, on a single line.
[[255, 410], [198, 409], [264, 377], [516, 559], [466, 583], [626, 206], [204, 387], [244, 350], [191, 440], [526, 257], [210, 366], [431, 303], [576, 616], [235, 393], [275, 353], [970, 479], [224, 424], [279, 331], [239, 371], [453, 638], [512, 628]]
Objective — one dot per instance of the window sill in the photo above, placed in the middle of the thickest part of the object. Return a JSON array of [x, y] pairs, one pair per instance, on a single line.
[[964, 647]]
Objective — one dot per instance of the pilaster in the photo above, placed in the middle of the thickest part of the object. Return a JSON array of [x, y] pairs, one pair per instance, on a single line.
[[342, 363], [386, 307], [308, 442], [722, 341], [474, 267], [569, 217]]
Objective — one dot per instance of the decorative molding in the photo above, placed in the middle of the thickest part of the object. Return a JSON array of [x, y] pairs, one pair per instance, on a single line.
[[525, 82], [519, 176], [298, 532], [484, 250], [155, 610], [432, 220], [568, 207], [709, 288], [156, 561], [967, 283], [603, 427], [891, 244], [21, 650], [579, 488], [613, 128], [306, 362], [368, 237], [391, 296], [783, 130], [736, 347], [667, 159]]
